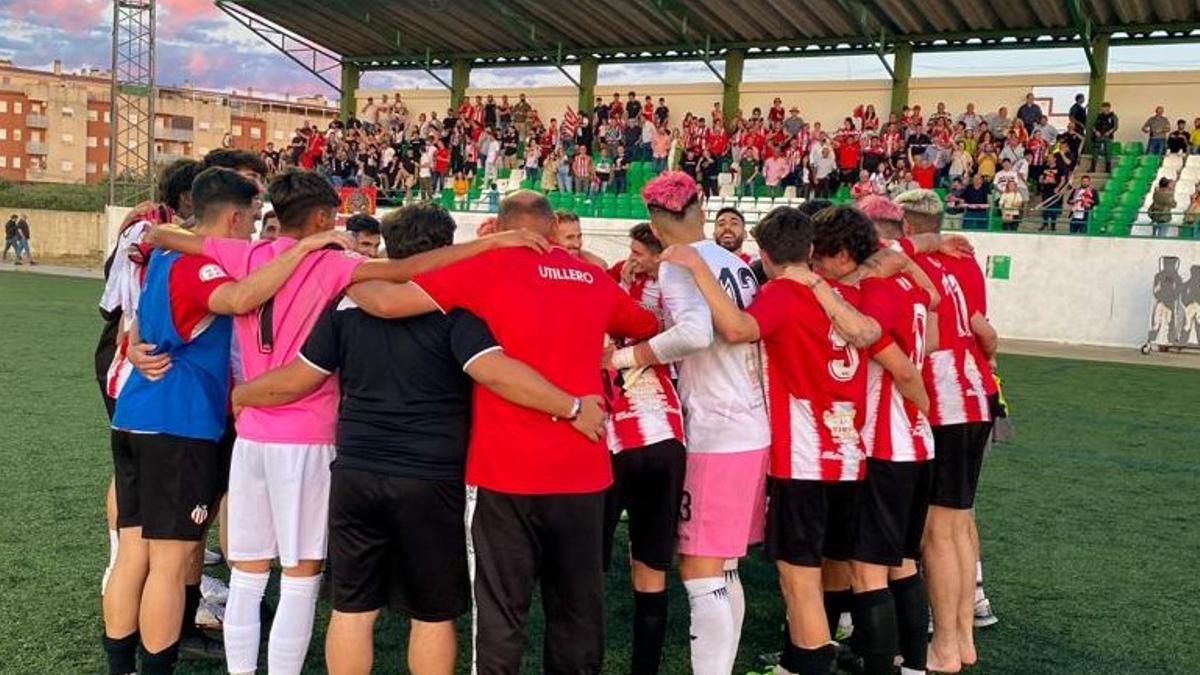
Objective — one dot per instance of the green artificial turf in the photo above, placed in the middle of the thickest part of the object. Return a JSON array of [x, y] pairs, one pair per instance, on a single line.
[[1088, 517]]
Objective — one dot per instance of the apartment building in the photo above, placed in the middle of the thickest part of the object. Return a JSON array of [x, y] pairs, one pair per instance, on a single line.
[[55, 126]]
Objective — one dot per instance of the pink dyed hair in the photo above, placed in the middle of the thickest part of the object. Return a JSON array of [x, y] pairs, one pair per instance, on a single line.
[[877, 207], [672, 191]]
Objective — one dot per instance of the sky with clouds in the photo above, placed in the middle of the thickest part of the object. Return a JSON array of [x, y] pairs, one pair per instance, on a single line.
[[199, 44]]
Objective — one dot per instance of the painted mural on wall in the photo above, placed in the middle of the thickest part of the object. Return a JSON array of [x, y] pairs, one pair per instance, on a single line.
[[1175, 317]]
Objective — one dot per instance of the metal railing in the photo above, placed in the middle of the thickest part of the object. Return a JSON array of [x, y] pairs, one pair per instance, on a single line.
[[173, 134], [35, 148], [37, 121]]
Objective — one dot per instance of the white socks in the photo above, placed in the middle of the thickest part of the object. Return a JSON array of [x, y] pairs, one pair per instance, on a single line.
[[243, 621], [737, 603], [713, 638], [910, 671], [292, 630]]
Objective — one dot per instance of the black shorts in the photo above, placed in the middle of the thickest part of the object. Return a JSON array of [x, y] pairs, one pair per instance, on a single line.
[[167, 485], [808, 520], [648, 483], [225, 453], [958, 458], [398, 542], [892, 504]]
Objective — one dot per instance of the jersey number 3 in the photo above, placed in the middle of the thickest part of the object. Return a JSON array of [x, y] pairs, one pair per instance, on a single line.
[[842, 367]]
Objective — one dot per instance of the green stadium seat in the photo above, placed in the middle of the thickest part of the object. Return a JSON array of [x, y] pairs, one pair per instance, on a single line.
[[1115, 148], [1133, 148]]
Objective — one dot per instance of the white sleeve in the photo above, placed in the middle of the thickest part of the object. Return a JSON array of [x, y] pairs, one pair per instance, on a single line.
[[692, 326], [121, 289]]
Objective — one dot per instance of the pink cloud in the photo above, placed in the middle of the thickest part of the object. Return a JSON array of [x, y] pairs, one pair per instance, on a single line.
[[175, 14], [72, 15]]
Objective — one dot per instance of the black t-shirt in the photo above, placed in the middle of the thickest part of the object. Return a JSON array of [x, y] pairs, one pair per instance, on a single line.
[[406, 400], [633, 110]]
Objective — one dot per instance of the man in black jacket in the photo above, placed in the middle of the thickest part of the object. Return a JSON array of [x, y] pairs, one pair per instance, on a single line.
[[1103, 131]]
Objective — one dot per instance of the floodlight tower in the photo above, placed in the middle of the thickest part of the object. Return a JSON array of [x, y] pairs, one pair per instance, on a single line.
[[131, 176]]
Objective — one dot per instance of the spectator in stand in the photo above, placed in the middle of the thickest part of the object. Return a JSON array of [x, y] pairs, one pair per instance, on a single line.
[[975, 200], [1005, 176], [603, 171], [1191, 215], [748, 171], [462, 188], [922, 171], [533, 161], [901, 182], [824, 173], [864, 187], [646, 141], [1011, 202], [1083, 198], [620, 169], [986, 162], [961, 162], [954, 204], [520, 116], [1194, 136], [1052, 189], [1078, 113], [1156, 128], [662, 114], [969, 119], [707, 169], [775, 169], [775, 114], [660, 147], [1179, 140], [1162, 204], [562, 167], [1013, 149], [999, 120], [581, 171], [633, 108], [793, 123]]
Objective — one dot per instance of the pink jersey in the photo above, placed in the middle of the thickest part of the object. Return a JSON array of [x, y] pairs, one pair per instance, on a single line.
[[272, 335], [644, 406], [816, 385], [895, 430], [953, 376]]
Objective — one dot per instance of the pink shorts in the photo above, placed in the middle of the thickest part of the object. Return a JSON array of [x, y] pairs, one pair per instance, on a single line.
[[724, 503]]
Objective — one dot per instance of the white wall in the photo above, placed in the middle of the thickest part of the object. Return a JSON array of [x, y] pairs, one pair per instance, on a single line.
[[1076, 290]]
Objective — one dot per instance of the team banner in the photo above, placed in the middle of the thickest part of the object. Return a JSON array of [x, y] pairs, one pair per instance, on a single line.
[[358, 200]]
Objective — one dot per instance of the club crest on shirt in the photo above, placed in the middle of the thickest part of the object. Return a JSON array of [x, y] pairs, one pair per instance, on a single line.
[[200, 514], [211, 271]]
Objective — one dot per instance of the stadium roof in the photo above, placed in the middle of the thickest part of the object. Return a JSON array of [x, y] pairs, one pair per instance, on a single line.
[[425, 34]]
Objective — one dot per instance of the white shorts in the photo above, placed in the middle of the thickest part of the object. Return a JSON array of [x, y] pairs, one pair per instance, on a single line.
[[279, 501]]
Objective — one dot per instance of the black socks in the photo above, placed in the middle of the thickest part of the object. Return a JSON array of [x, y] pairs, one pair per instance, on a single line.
[[875, 638], [191, 602], [122, 654], [808, 661], [160, 663], [649, 631], [836, 603], [912, 619]]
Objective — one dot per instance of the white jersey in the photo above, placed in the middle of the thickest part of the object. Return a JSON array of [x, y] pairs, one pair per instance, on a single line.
[[720, 385], [122, 290]]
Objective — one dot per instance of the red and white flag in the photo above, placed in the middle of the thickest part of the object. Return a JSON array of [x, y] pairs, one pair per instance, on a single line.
[[570, 122]]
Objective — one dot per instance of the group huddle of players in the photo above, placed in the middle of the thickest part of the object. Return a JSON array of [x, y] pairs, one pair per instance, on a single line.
[[443, 430]]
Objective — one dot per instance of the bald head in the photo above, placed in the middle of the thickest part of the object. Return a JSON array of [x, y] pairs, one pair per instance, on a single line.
[[527, 210]]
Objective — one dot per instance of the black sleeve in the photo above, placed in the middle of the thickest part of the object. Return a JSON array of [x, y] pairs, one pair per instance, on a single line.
[[469, 336], [322, 348]]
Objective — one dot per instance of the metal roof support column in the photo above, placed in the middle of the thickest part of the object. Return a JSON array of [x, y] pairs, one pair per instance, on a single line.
[[589, 68], [460, 79], [901, 71], [350, 78], [735, 59], [1098, 80]]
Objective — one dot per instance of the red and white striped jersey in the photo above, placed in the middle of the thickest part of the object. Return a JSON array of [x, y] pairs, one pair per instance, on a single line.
[[816, 386], [895, 430], [953, 377], [970, 279], [644, 407]]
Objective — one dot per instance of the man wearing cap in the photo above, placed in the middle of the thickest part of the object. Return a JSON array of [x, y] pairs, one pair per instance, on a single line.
[[793, 123]]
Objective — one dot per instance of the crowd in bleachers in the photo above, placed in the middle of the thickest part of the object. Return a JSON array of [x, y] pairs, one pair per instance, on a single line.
[[994, 169]]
